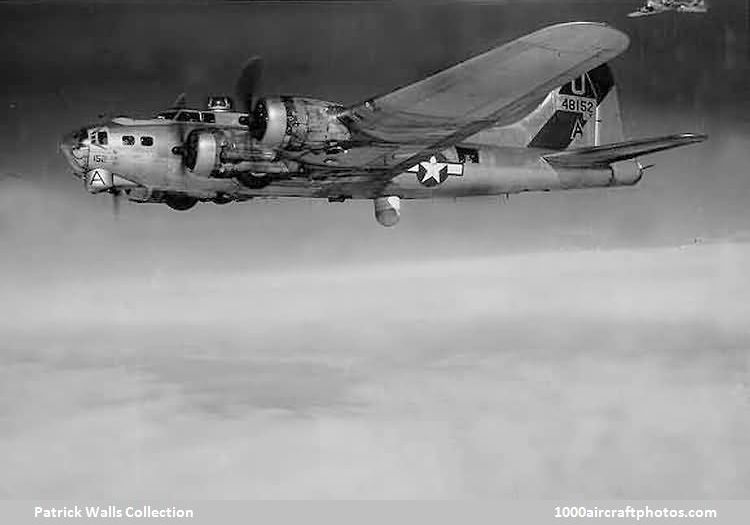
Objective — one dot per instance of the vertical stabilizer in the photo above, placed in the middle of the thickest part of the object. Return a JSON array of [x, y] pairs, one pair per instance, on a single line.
[[584, 112], [581, 113]]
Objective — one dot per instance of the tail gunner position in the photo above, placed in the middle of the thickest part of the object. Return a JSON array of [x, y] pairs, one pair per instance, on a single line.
[[476, 128]]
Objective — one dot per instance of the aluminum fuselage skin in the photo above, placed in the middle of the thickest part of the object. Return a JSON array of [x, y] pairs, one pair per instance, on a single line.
[[499, 170]]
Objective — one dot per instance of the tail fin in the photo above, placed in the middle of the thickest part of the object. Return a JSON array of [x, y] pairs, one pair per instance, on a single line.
[[580, 122], [584, 112]]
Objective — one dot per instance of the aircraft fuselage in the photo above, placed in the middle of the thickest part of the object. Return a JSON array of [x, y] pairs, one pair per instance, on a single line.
[[143, 159]]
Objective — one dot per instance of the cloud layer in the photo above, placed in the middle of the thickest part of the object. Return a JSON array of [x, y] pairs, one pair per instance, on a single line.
[[591, 374]]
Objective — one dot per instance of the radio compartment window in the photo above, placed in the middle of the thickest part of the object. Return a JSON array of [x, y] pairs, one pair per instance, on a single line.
[[467, 155]]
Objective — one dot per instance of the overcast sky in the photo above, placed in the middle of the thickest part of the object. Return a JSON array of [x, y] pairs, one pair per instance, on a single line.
[[589, 343]]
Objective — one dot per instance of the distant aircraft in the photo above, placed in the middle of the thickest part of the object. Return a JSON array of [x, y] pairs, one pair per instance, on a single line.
[[654, 7], [476, 128], [12, 176]]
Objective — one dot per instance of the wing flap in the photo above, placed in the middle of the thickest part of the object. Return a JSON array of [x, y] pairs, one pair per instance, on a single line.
[[604, 155]]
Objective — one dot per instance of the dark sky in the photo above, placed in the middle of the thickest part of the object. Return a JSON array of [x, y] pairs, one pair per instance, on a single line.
[[562, 345], [63, 64]]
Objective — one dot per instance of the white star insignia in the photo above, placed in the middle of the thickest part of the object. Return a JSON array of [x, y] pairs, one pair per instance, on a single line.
[[434, 171]]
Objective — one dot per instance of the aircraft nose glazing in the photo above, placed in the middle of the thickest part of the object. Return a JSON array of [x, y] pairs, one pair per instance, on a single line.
[[76, 151]]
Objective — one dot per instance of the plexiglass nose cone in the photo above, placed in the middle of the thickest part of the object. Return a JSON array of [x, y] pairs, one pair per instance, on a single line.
[[76, 151]]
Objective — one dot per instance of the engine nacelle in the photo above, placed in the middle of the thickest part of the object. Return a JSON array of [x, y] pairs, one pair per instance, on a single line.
[[202, 149], [221, 154], [296, 123]]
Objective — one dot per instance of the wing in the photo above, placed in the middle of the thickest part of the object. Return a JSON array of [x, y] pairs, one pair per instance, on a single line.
[[410, 124]]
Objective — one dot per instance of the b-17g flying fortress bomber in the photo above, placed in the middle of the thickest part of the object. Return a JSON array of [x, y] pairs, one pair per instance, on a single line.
[[655, 7], [476, 128]]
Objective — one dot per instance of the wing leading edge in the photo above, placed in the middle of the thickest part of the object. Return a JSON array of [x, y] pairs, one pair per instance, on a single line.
[[493, 88]]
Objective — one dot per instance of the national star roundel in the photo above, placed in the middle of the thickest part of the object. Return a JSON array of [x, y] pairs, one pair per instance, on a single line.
[[436, 170]]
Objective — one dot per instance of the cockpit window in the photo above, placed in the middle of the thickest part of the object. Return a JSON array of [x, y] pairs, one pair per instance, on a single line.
[[209, 117], [189, 116], [128, 140], [81, 135], [147, 141], [167, 115], [101, 138]]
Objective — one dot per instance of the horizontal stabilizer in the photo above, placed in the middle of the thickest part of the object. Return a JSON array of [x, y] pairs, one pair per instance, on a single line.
[[607, 154]]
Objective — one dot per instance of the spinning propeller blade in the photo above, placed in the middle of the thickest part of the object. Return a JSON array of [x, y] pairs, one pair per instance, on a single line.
[[180, 102], [248, 83], [180, 149], [115, 193], [246, 91]]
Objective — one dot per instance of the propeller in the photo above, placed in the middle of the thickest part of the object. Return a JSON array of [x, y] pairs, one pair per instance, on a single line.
[[246, 90], [180, 102], [115, 202], [248, 83]]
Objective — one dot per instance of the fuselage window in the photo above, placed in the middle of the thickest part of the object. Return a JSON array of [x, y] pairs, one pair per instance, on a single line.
[[168, 115], [101, 138], [467, 155], [209, 117], [128, 140], [189, 116], [147, 141], [244, 120]]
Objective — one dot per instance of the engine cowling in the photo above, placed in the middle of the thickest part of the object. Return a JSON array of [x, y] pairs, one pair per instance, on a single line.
[[202, 149], [296, 123], [220, 154]]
